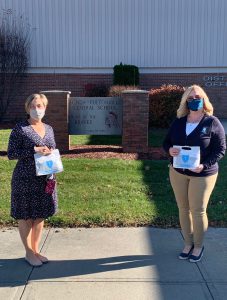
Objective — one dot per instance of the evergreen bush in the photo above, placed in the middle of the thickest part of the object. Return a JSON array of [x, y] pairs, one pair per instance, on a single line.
[[125, 75]]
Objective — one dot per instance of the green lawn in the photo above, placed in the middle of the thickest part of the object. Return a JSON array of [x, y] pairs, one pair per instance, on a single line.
[[110, 192], [4, 138], [155, 138], [105, 193], [114, 192]]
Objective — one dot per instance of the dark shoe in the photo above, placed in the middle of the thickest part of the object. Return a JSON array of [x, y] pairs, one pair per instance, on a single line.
[[193, 258], [183, 255]]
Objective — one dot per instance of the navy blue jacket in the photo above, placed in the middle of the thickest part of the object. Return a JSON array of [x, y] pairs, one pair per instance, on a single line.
[[209, 135]]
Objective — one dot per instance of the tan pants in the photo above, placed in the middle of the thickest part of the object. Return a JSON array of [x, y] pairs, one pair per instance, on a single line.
[[192, 195]]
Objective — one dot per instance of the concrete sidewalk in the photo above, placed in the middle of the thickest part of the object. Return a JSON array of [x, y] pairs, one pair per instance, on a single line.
[[114, 264]]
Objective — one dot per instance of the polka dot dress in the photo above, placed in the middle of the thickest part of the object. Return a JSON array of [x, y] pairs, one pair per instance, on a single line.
[[28, 197]]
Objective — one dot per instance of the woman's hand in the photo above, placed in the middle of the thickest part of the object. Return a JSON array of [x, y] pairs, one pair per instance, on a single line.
[[174, 151], [198, 169], [44, 150]]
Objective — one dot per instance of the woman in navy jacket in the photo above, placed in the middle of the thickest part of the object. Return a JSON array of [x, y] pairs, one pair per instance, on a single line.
[[195, 125]]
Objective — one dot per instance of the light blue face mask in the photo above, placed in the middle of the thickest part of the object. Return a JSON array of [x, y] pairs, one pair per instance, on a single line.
[[195, 104]]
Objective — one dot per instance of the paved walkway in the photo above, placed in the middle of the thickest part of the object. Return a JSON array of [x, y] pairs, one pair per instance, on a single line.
[[113, 264]]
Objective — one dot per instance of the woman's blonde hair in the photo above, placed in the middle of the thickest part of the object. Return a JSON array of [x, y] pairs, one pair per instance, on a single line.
[[32, 97], [183, 108]]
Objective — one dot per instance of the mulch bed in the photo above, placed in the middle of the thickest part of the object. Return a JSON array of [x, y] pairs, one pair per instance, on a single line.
[[103, 151], [109, 151]]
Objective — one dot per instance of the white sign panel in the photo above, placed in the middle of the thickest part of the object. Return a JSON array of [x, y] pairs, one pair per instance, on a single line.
[[95, 115]]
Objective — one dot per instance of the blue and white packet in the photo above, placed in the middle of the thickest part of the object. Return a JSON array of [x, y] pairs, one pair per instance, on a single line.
[[188, 157], [48, 164]]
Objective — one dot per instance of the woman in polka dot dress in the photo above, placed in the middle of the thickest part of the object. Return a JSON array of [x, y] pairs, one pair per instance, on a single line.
[[30, 204]]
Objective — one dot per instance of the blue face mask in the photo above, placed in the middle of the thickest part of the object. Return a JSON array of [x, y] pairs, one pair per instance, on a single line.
[[195, 104]]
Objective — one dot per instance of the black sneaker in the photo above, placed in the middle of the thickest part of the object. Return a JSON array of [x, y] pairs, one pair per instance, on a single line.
[[183, 255], [193, 258]]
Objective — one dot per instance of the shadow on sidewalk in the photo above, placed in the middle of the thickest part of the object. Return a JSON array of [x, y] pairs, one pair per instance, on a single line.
[[15, 272]]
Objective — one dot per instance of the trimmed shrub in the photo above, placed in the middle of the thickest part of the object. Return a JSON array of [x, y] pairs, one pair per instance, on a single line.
[[163, 105], [95, 90], [116, 90], [125, 75]]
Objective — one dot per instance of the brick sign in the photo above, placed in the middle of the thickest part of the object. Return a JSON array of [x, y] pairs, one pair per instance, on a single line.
[[95, 115]]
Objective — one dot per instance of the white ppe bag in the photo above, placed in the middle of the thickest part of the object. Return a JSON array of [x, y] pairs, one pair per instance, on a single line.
[[48, 164], [188, 157]]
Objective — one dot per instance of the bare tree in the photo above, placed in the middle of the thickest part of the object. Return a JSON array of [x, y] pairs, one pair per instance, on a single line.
[[15, 36]]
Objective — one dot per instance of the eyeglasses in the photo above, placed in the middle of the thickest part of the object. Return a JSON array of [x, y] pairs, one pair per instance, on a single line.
[[190, 99]]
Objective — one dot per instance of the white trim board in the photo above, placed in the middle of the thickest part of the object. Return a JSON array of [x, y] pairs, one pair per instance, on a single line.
[[141, 70]]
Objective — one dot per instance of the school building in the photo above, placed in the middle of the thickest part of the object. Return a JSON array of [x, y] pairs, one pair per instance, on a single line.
[[76, 42]]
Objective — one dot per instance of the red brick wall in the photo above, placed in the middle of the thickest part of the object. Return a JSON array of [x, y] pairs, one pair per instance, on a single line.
[[135, 121], [76, 82], [215, 86], [34, 83], [57, 118]]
